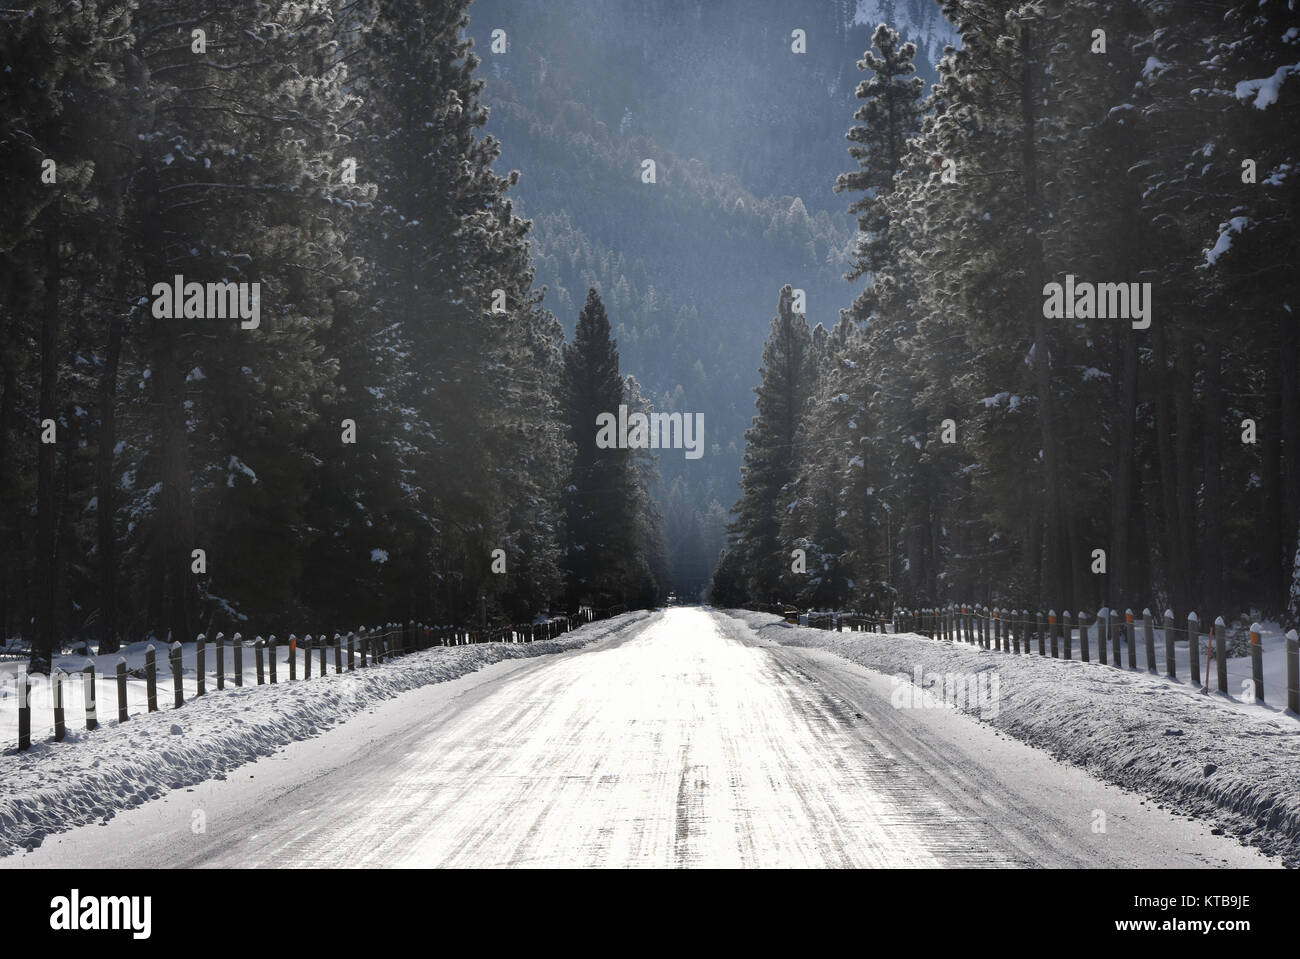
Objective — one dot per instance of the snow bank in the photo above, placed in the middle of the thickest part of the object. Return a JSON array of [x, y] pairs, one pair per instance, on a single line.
[[1206, 756], [91, 775]]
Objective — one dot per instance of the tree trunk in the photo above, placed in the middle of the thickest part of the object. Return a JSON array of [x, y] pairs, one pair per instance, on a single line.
[[1175, 543], [1212, 502], [1053, 521], [108, 634], [1184, 482], [46, 499], [1290, 441], [8, 534], [176, 514]]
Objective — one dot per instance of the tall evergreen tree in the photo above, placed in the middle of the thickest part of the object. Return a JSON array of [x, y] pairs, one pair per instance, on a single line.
[[600, 499], [772, 454]]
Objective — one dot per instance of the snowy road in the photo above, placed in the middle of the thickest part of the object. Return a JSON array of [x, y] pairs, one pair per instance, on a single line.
[[683, 741]]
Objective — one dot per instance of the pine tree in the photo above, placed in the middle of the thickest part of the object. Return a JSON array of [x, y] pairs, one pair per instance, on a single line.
[[57, 64], [772, 454], [889, 116], [238, 180], [600, 558]]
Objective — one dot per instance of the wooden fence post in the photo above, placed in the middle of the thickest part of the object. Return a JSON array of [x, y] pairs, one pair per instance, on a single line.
[[25, 712], [1171, 661], [365, 645], [1221, 653], [1042, 639], [174, 655], [1103, 629], [1084, 648], [88, 688], [1293, 672], [1257, 661], [1053, 632], [997, 629], [352, 641], [306, 656], [200, 662], [271, 645], [237, 642], [1131, 636], [338, 654], [324, 642], [1149, 639], [1194, 646], [293, 657], [221, 661], [259, 648], [60, 725], [151, 678], [1069, 633], [121, 689], [1117, 654]]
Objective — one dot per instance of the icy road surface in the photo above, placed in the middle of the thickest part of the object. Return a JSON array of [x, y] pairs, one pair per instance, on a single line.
[[682, 741]]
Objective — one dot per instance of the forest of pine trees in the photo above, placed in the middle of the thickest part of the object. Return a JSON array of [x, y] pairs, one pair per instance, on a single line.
[[405, 405], [948, 441]]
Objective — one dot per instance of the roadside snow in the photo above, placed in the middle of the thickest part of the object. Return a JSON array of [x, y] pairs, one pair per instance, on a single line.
[[1210, 757], [91, 775]]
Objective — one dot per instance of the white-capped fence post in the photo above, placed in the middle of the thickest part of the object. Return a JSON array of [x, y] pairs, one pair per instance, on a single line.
[[200, 663], [1257, 661], [60, 725], [1171, 660], [121, 689], [25, 712], [151, 679], [88, 688], [1149, 639], [1293, 672], [1221, 653], [175, 656]]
